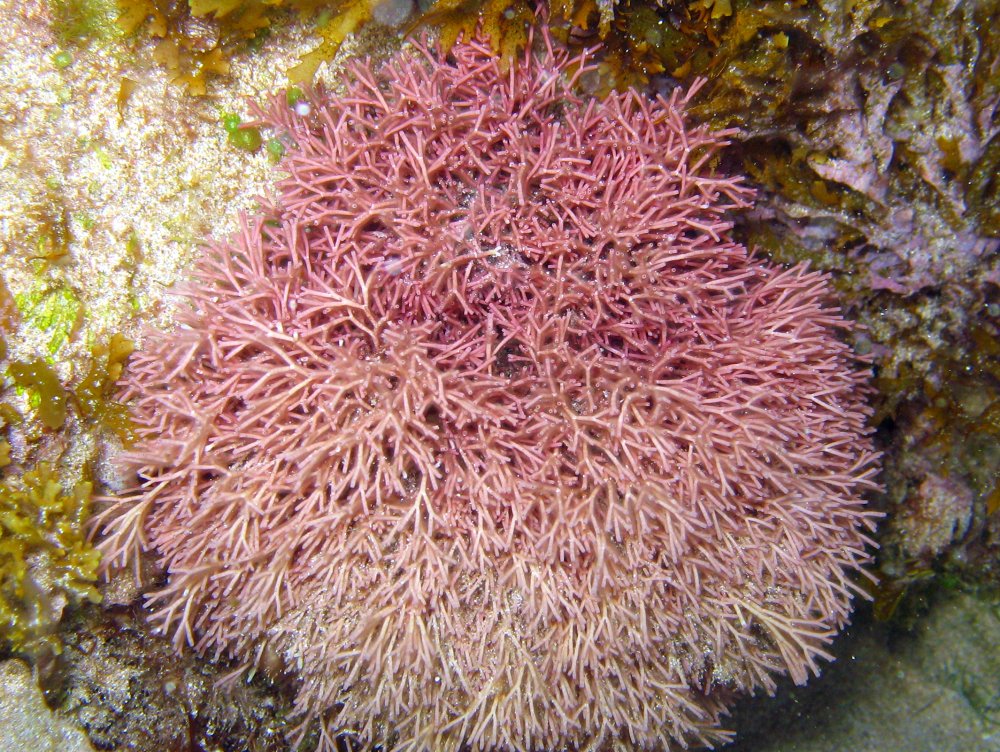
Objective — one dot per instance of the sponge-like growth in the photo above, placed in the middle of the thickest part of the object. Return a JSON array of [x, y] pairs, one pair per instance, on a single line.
[[488, 430]]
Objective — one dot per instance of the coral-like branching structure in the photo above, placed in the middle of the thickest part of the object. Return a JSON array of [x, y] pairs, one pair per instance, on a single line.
[[489, 432]]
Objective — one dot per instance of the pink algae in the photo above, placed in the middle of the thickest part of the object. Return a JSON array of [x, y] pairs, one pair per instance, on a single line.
[[488, 430]]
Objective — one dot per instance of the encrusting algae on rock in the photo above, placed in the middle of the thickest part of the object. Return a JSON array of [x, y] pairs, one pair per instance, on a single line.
[[486, 430]]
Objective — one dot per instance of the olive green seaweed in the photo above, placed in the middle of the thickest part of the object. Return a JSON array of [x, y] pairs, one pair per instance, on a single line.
[[46, 561]]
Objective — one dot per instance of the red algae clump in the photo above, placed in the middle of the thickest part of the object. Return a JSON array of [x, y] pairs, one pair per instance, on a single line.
[[489, 433]]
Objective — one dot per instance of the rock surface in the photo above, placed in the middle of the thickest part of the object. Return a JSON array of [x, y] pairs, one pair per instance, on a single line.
[[933, 689], [26, 722]]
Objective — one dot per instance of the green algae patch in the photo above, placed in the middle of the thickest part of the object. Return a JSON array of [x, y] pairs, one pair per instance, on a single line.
[[246, 138], [62, 59], [77, 21], [57, 312], [275, 150], [46, 561]]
